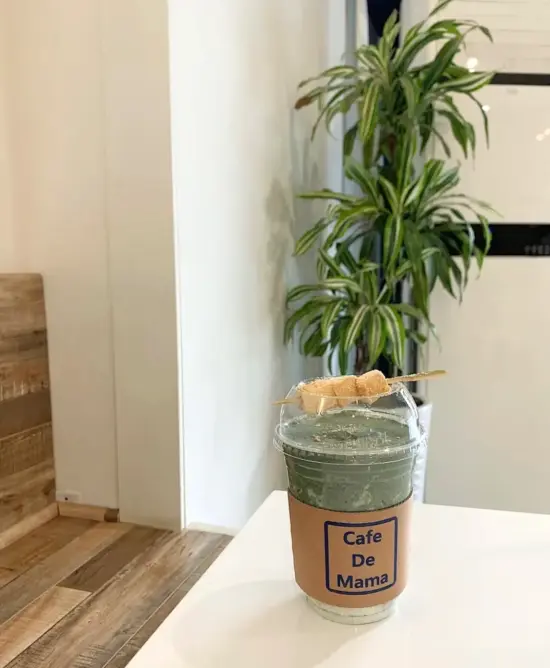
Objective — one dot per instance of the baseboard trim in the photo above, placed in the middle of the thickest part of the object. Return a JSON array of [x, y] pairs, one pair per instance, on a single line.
[[84, 512], [212, 528], [28, 524]]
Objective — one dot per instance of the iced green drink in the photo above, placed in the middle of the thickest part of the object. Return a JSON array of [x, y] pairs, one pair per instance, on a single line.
[[353, 459]]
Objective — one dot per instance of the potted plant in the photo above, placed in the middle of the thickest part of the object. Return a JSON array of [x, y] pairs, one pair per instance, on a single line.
[[406, 228]]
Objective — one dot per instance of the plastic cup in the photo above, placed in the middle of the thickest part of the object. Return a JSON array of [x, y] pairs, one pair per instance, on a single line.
[[355, 457]]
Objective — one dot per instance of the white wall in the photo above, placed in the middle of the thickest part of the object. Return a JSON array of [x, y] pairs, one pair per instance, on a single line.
[[7, 250], [56, 112], [84, 120], [239, 152], [142, 259]]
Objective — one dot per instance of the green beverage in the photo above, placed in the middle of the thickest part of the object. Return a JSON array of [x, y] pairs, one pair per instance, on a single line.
[[353, 459]]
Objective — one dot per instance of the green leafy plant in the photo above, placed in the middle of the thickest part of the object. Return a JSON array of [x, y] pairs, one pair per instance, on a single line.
[[407, 224]]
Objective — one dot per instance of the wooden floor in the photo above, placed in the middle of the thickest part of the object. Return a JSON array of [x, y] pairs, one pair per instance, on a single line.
[[81, 594]]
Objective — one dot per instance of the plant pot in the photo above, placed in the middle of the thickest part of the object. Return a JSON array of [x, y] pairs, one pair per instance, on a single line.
[[419, 474], [355, 466]]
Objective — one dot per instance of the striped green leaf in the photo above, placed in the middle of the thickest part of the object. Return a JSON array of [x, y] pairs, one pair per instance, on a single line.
[[408, 309], [389, 37], [395, 332], [441, 62], [442, 141], [314, 346], [369, 111], [488, 34], [340, 230], [450, 26], [420, 291], [457, 274], [369, 283], [332, 101], [393, 240], [368, 265], [406, 267], [329, 316], [410, 197], [472, 137], [412, 34], [318, 94], [343, 355], [344, 70], [487, 234], [308, 324], [405, 158], [366, 181], [375, 338], [354, 328], [342, 105], [369, 57], [369, 242], [410, 50], [306, 241], [325, 193], [483, 115], [304, 311], [349, 139], [340, 71], [468, 84], [459, 130], [466, 239], [426, 126], [341, 284], [310, 80], [443, 271], [457, 213], [472, 200], [301, 291], [411, 93], [345, 257], [390, 194], [390, 25], [328, 260], [334, 338], [418, 337], [439, 7], [448, 180], [345, 222], [430, 174]]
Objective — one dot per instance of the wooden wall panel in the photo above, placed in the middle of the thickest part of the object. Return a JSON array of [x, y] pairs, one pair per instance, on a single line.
[[27, 479]]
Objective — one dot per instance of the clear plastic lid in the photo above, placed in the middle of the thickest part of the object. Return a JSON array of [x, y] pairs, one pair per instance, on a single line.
[[350, 428]]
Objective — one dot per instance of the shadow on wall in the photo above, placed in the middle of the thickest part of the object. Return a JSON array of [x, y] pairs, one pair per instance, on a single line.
[[263, 157], [289, 216], [306, 176]]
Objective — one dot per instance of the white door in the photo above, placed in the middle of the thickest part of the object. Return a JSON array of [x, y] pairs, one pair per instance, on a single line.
[[490, 440]]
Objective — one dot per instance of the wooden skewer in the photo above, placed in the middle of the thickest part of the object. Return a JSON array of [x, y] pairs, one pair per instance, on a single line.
[[410, 378], [283, 402], [423, 375]]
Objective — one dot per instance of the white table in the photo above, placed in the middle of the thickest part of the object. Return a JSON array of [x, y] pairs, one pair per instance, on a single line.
[[478, 597]]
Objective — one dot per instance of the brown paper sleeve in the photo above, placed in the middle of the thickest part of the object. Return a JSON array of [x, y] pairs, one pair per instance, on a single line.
[[351, 560]]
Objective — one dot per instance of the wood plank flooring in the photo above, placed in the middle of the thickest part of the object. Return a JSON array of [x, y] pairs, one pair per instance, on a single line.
[[81, 594], [27, 477]]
